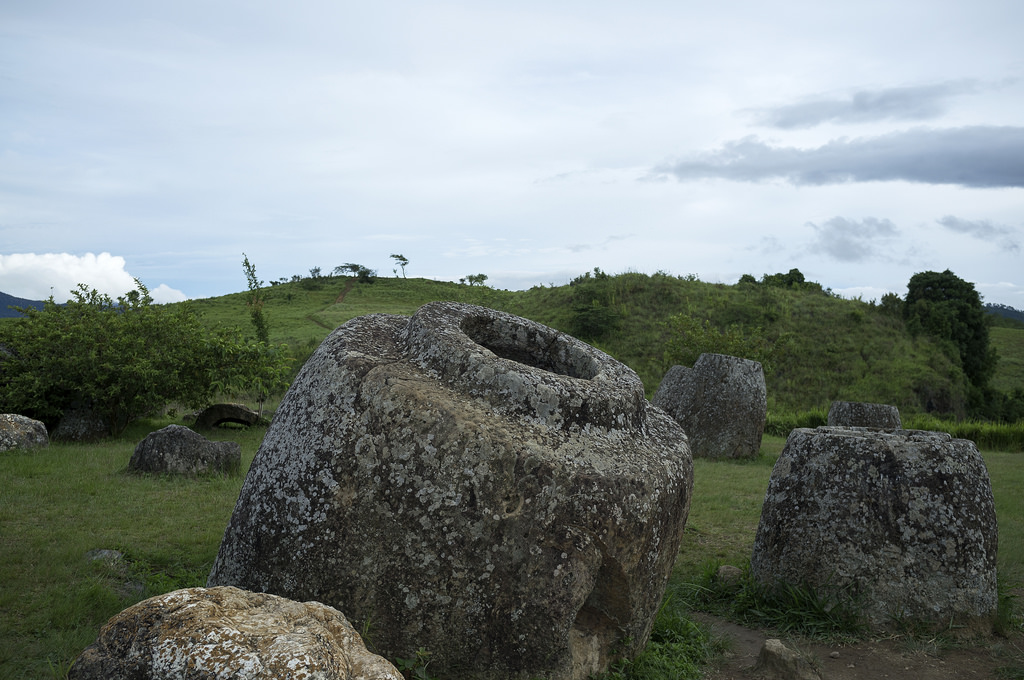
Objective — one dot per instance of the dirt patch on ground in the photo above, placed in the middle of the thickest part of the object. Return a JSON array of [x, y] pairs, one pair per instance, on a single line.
[[893, 657]]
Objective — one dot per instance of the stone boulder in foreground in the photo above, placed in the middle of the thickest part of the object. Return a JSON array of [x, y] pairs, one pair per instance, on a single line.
[[222, 633], [470, 482], [903, 519], [21, 432]]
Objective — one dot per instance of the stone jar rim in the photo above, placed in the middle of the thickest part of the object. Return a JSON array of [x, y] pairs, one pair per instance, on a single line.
[[525, 368]]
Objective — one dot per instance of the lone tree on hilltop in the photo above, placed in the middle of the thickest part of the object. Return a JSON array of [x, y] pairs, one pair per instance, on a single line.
[[402, 261]]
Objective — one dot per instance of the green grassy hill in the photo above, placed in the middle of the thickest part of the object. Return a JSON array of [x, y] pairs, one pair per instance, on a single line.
[[829, 348], [1009, 343]]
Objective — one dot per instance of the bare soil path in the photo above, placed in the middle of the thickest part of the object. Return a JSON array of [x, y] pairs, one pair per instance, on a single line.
[[893, 657]]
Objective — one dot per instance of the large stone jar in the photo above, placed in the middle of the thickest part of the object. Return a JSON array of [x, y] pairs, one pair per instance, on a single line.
[[903, 521], [721, 403], [470, 482]]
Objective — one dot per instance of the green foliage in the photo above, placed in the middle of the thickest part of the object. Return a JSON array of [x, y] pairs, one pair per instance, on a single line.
[[401, 261], [950, 310], [593, 318], [123, 359], [1009, 346], [416, 667], [691, 337], [60, 503], [363, 274], [793, 280], [827, 613], [678, 649], [255, 301], [827, 348], [474, 279]]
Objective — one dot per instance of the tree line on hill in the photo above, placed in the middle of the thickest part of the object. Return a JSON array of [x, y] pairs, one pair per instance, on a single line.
[[927, 352], [126, 358]]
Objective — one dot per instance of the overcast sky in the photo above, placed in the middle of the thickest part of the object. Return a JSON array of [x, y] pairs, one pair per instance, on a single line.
[[860, 142]]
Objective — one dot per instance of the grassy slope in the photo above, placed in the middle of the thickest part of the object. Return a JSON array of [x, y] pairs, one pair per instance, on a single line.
[[1009, 343], [834, 348]]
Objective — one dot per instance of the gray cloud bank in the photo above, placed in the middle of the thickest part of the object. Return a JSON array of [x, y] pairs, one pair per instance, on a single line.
[[849, 240], [984, 230], [921, 102], [977, 157]]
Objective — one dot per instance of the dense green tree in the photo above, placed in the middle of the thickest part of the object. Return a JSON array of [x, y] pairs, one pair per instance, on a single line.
[[593, 316], [122, 358], [362, 274], [949, 309]]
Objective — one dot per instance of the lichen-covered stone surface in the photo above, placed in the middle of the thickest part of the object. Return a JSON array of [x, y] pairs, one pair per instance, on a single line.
[[904, 519], [176, 449], [79, 424], [222, 633], [470, 482], [21, 432], [721, 402], [864, 414]]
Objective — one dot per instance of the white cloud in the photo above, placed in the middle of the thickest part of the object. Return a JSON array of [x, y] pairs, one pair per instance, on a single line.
[[164, 294], [37, 276]]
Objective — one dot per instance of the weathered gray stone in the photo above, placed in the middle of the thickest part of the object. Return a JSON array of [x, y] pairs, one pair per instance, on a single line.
[[776, 661], [218, 414], [469, 482], [222, 633], [721, 403], [80, 424], [176, 449], [863, 414], [21, 432], [904, 519], [729, 576]]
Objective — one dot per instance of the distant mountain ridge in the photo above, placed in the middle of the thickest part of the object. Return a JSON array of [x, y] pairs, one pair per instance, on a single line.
[[1004, 310], [9, 301]]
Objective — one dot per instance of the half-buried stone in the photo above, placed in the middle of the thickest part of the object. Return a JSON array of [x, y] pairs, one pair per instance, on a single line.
[[472, 483]]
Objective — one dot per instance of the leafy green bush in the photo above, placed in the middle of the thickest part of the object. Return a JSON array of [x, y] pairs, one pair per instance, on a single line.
[[123, 359]]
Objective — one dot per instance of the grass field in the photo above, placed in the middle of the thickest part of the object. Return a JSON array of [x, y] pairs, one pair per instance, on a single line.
[[60, 503], [1009, 343]]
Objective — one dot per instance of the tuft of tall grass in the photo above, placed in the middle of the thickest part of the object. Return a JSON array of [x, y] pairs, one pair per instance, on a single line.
[[679, 648]]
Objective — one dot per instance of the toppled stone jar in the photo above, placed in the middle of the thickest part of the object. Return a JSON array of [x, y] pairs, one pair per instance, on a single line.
[[473, 483], [903, 521]]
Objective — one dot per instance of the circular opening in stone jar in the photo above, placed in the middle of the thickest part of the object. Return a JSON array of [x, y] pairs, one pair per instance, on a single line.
[[534, 346]]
